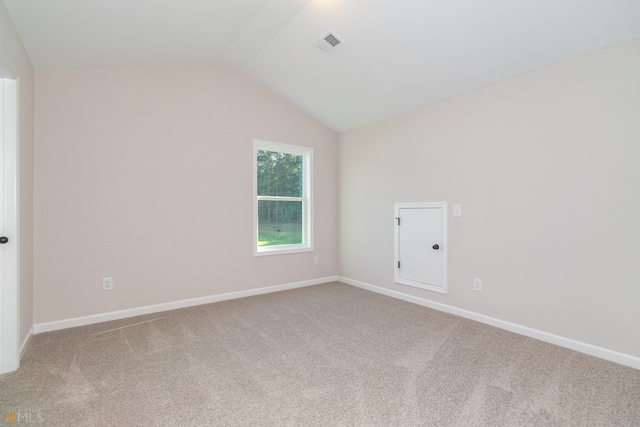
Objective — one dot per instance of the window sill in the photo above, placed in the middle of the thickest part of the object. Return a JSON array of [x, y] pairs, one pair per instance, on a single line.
[[282, 250]]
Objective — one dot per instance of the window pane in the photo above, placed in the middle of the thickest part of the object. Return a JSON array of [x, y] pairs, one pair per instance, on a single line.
[[279, 223], [279, 174]]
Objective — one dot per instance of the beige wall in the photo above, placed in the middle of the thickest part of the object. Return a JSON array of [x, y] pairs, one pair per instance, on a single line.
[[14, 57], [546, 167], [145, 175]]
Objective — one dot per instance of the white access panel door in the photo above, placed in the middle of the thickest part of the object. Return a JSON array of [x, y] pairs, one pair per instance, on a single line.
[[421, 245]]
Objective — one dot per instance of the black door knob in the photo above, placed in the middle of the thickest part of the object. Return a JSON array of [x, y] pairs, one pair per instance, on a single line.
[[4, 240], [436, 247]]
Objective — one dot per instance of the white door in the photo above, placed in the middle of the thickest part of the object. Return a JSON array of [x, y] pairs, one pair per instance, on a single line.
[[9, 359], [421, 246]]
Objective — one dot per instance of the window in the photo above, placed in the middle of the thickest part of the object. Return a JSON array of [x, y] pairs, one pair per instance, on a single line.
[[282, 198]]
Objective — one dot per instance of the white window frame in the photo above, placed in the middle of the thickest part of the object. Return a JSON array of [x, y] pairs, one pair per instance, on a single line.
[[306, 199]]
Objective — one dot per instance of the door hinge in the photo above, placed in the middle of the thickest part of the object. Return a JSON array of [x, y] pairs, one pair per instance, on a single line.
[[398, 218], [398, 264]]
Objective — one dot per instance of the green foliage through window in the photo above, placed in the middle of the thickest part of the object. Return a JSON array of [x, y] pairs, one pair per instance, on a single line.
[[280, 223], [279, 174], [281, 204]]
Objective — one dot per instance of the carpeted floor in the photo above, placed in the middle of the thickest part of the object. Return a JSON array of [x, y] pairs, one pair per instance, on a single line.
[[327, 355]]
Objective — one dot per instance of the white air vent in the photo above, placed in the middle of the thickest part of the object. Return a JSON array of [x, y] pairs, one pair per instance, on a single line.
[[329, 42]]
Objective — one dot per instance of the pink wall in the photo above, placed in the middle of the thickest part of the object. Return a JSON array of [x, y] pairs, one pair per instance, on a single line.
[[145, 175]]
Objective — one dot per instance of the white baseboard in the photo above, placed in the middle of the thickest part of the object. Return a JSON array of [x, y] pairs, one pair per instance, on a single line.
[[26, 341], [602, 353], [123, 314]]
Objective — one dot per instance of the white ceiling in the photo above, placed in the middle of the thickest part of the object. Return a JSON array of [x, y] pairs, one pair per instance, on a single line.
[[398, 55]]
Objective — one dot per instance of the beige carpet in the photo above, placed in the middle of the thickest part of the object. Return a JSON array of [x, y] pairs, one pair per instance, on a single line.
[[327, 355]]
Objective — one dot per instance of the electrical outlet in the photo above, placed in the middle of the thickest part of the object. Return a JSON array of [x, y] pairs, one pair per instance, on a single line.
[[316, 259], [477, 284], [107, 284]]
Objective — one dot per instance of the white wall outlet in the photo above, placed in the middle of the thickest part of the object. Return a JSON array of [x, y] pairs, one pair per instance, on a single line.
[[316, 259], [107, 284], [477, 284]]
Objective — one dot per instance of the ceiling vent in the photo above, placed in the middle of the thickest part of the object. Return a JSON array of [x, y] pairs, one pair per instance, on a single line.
[[329, 42]]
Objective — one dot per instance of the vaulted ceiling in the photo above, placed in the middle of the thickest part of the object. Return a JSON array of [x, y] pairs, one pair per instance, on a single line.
[[396, 55]]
